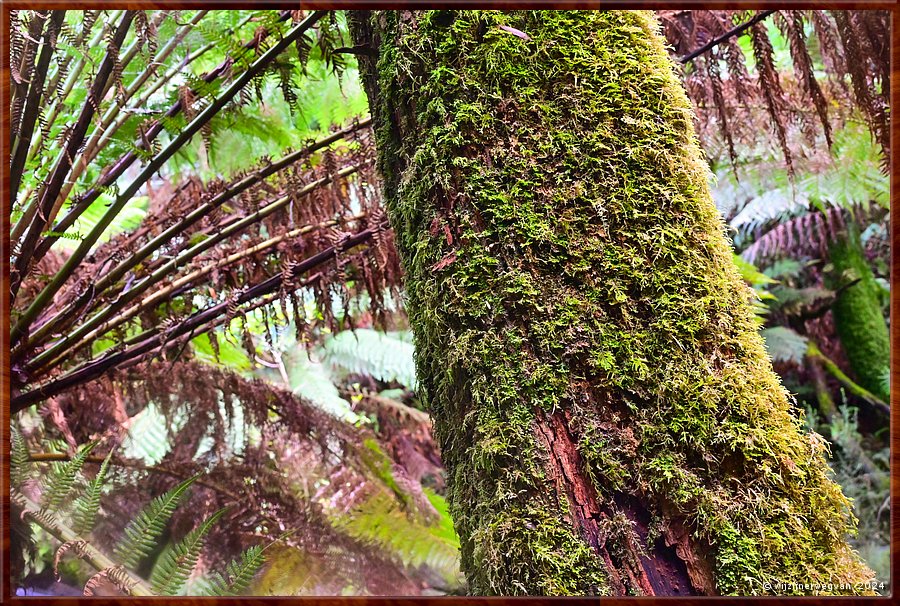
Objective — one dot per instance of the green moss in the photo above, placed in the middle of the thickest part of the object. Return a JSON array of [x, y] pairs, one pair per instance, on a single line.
[[858, 319], [585, 274]]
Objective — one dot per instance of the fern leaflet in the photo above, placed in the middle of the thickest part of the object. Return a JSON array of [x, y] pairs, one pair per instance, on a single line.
[[87, 506], [176, 565], [20, 458], [141, 534], [239, 573], [63, 479]]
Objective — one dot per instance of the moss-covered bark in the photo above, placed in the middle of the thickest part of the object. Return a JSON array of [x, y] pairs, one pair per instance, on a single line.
[[858, 319], [607, 414]]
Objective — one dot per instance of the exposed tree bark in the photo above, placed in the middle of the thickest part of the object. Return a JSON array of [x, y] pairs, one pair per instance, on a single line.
[[606, 411], [858, 319]]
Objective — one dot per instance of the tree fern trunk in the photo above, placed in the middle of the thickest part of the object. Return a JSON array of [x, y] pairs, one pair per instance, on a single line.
[[608, 417], [858, 319]]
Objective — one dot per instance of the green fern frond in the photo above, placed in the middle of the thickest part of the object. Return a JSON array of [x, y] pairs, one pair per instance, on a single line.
[[382, 356], [20, 458], [379, 521], [784, 345], [313, 381], [62, 479], [141, 534], [87, 506], [238, 573], [886, 380], [176, 565], [783, 269]]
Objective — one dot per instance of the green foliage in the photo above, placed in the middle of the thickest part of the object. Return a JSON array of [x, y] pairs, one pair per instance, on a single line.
[[413, 541], [852, 178], [382, 356], [862, 467], [88, 504], [784, 344], [225, 352], [758, 281], [127, 220], [176, 564], [783, 268], [238, 574], [141, 534], [20, 459], [147, 439], [62, 479], [311, 380]]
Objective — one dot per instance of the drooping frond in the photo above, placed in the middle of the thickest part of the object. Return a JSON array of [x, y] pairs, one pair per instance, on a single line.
[[791, 24], [807, 234], [415, 543], [791, 73], [141, 534]]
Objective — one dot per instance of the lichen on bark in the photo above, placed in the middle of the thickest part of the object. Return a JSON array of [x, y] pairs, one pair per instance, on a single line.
[[607, 414]]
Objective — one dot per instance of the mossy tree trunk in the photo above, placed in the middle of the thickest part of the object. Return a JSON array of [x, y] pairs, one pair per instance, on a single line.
[[858, 319], [607, 414]]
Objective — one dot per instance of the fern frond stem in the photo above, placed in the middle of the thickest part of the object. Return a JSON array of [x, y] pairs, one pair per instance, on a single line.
[[112, 122], [73, 76], [103, 133], [67, 155], [68, 312], [82, 161], [736, 31], [53, 101], [19, 90], [110, 129], [212, 324], [32, 106], [203, 210], [72, 263], [834, 370], [194, 325], [45, 457], [161, 294], [62, 533], [50, 457], [142, 78], [116, 169]]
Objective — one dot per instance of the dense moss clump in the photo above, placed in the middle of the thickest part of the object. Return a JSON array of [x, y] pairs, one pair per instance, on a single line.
[[858, 319], [583, 339]]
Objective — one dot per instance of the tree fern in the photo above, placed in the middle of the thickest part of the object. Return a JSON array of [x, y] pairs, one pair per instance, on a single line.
[[20, 458], [141, 534], [62, 480], [87, 506], [176, 565], [238, 573]]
